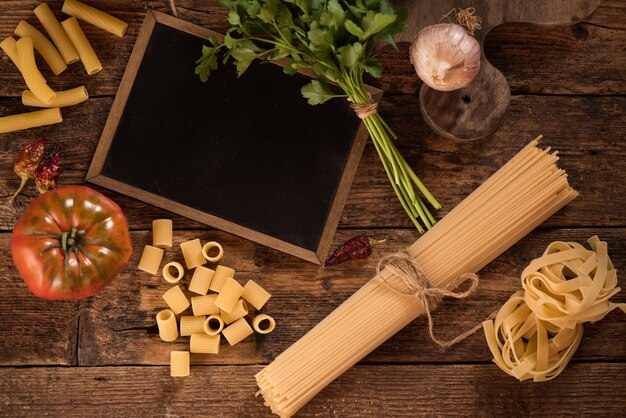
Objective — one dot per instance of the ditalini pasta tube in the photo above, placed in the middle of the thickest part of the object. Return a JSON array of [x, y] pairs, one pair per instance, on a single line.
[[191, 325], [201, 280], [30, 120], [162, 233], [263, 324], [81, 43], [43, 46], [176, 300], [255, 294], [150, 259], [219, 278], [240, 310], [204, 305], [511, 203], [192, 253], [94, 16], [168, 328], [203, 343], [33, 78], [63, 98], [229, 295], [237, 331], [179, 363], [213, 325], [9, 46], [57, 33], [167, 272]]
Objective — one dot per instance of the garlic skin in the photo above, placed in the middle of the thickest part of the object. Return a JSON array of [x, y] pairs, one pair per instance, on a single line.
[[445, 56]]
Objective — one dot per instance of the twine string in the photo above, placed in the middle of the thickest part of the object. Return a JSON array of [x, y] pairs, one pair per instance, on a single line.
[[402, 265], [364, 111], [464, 17], [173, 8]]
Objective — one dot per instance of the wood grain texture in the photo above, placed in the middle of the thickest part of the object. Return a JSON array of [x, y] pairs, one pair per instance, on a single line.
[[589, 132], [228, 391], [118, 326]]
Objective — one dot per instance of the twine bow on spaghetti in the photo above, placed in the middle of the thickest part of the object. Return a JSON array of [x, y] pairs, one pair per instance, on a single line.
[[402, 265]]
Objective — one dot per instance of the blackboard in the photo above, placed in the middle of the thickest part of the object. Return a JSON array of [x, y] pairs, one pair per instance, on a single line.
[[247, 155]]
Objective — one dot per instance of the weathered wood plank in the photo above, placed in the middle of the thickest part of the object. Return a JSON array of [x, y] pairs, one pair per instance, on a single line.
[[33, 330], [407, 391], [582, 59], [118, 326], [589, 133]]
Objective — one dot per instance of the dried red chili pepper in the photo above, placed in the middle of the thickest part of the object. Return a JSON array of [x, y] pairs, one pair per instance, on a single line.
[[47, 174], [354, 249], [27, 162]]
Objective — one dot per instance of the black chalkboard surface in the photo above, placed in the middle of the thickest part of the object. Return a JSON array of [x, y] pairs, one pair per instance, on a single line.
[[247, 155]]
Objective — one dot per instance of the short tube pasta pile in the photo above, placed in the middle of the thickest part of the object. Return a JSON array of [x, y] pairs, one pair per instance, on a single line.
[[512, 202], [69, 44], [215, 315], [536, 333]]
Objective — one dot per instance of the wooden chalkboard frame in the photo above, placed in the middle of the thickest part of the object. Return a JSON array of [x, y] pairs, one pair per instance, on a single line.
[[96, 176]]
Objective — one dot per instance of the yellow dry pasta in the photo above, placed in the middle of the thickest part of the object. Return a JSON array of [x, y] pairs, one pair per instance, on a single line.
[[201, 280], [219, 278], [537, 331], [176, 299], [33, 78], [150, 259], [263, 324], [85, 51], [210, 246], [237, 331], [192, 253], [240, 310], [213, 325], [96, 17], [255, 294], [179, 363], [56, 33], [9, 46], [204, 305], [162, 233], [63, 98], [191, 325], [30, 120], [229, 295], [203, 343], [45, 48], [168, 328], [167, 273]]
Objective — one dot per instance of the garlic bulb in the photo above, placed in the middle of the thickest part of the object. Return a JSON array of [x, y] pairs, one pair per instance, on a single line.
[[445, 56]]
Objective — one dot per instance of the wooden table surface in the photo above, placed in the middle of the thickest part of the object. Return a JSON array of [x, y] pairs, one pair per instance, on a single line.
[[102, 356]]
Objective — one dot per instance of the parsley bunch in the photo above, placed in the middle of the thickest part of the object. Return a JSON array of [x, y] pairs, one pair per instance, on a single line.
[[336, 39]]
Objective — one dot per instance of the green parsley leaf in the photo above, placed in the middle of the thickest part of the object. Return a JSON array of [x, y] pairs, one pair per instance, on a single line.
[[316, 92]]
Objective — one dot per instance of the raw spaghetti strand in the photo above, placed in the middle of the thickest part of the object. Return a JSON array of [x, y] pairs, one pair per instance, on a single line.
[[517, 198], [537, 331]]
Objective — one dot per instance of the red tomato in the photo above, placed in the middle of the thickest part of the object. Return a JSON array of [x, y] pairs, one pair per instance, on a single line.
[[70, 243]]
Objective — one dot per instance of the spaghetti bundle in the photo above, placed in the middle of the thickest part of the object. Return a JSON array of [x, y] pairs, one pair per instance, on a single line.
[[512, 202]]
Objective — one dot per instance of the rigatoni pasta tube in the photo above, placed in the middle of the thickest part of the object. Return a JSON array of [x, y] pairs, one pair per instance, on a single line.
[[176, 300], [240, 310], [209, 246], [204, 305], [237, 331], [168, 328], [263, 324], [255, 294], [9, 46], [191, 325], [201, 280], [511, 203], [56, 33], [63, 98], [219, 278], [150, 259], [162, 233], [86, 53], [213, 325], [179, 363], [33, 78], [167, 272], [30, 120], [96, 17], [203, 343], [229, 295], [45, 48], [192, 253]]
